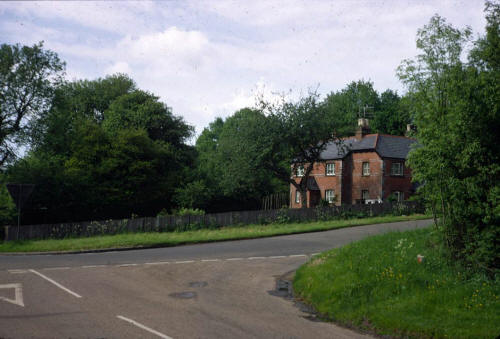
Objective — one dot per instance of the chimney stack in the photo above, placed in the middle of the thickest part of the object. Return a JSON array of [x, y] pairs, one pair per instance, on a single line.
[[363, 128]]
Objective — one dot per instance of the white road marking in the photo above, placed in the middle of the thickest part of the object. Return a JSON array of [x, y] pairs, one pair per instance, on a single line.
[[55, 268], [158, 263], [150, 330], [19, 271], [56, 283], [18, 292]]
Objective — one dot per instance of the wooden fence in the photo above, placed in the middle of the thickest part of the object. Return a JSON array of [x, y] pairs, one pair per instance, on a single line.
[[210, 221]]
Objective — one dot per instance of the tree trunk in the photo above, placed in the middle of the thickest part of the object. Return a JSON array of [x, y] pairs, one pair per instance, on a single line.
[[303, 198]]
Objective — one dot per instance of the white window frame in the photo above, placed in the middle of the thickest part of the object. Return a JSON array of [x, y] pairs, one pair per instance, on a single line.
[[299, 172], [297, 196], [398, 195], [367, 194], [330, 196], [330, 168], [399, 167], [365, 170]]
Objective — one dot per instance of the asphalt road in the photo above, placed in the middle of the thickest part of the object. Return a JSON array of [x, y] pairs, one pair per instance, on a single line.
[[217, 290]]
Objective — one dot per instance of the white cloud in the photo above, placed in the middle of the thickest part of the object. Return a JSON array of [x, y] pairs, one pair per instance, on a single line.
[[208, 59]]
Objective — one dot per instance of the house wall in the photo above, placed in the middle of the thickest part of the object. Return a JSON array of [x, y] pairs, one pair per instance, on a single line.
[[393, 183], [324, 182], [372, 182], [349, 181]]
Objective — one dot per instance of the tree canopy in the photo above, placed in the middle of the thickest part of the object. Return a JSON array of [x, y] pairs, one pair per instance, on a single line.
[[457, 116], [27, 79]]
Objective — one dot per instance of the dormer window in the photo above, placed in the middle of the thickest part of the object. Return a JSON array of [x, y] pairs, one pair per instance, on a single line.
[[330, 168]]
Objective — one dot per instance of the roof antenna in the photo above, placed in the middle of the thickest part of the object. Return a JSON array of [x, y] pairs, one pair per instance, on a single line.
[[365, 112]]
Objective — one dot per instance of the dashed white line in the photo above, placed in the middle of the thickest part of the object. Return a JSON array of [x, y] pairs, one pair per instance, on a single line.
[[297, 255], [18, 271], [158, 263], [277, 257], [233, 259], [256, 258], [209, 260], [126, 265], [92, 266], [55, 268], [150, 330], [184, 262], [56, 283]]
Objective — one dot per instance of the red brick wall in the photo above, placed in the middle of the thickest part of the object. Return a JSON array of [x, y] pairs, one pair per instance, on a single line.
[[324, 182], [396, 183], [372, 182], [349, 181]]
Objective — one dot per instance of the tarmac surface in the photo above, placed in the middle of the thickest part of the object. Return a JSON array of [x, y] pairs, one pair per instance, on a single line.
[[216, 290]]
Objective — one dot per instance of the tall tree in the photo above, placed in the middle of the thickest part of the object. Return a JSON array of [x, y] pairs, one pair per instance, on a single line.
[[346, 106], [28, 76], [124, 153], [295, 134], [457, 116], [392, 115]]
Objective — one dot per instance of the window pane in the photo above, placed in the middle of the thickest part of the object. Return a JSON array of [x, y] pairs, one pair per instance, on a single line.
[[397, 168], [300, 171], [364, 194], [329, 195], [366, 168], [330, 169]]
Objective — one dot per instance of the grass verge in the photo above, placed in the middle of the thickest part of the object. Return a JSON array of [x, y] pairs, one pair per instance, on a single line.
[[378, 285], [190, 237]]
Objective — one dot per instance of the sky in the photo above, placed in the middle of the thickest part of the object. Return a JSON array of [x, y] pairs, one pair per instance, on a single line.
[[207, 59]]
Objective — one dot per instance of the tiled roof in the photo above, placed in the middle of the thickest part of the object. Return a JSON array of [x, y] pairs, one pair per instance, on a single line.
[[387, 146]]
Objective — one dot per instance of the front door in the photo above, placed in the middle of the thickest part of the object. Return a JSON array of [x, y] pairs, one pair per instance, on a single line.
[[315, 197]]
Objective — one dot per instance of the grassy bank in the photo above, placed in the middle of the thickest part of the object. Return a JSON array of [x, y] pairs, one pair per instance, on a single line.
[[190, 237], [377, 284]]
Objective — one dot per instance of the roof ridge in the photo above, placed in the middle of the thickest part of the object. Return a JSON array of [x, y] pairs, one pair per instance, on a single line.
[[396, 136]]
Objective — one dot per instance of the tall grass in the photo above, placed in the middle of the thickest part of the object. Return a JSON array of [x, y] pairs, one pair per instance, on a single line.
[[153, 239], [378, 284]]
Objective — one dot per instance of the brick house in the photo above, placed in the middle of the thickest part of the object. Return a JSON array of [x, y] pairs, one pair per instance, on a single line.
[[365, 168]]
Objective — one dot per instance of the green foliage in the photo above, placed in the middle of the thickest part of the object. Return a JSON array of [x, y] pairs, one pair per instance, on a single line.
[[344, 105], [377, 284], [104, 150], [8, 210], [27, 77], [458, 119], [189, 211]]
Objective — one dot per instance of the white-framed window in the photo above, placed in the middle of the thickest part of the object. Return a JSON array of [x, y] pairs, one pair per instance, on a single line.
[[330, 196], [366, 168], [297, 197], [365, 194], [398, 195], [300, 171], [330, 168], [397, 168]]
